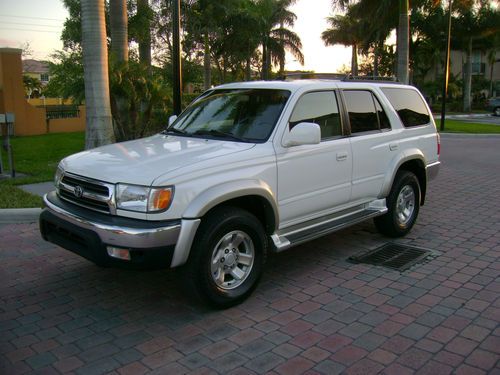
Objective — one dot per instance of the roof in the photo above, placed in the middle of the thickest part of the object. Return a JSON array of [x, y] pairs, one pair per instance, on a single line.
[[35, 66], [307, 84]]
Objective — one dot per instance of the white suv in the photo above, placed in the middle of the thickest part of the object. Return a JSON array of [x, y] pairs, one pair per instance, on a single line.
[[248, 168]]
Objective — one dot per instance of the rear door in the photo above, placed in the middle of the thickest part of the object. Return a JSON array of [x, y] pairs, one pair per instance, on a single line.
[[373, 143]]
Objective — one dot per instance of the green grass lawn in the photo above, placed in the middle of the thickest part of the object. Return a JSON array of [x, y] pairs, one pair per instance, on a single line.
[[37, 158], [456, 126]]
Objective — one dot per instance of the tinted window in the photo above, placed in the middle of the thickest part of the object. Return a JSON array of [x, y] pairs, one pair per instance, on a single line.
[[362, 113], [249, 114], [382, 117], [409, 106], [320, 108]]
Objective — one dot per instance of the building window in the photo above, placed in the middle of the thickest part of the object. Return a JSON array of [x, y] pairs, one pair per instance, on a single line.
[[44, 77]]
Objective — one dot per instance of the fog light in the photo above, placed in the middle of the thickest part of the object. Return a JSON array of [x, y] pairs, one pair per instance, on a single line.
[[119, 253]]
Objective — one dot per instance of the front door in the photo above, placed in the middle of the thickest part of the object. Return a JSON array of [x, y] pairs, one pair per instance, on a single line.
[[313, 180]]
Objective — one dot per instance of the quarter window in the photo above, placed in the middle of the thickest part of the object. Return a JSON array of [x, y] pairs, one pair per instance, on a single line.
[[322, 109], [409, 105], [365, 112]]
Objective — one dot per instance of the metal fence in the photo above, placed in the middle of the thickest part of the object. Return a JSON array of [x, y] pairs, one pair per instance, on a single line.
[[61, 111]]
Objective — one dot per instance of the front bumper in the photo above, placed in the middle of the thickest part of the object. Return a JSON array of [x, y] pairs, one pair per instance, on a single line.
[[151, 244]]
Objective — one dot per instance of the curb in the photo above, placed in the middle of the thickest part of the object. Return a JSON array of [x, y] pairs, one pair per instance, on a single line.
[[19, 215], [467, 135]]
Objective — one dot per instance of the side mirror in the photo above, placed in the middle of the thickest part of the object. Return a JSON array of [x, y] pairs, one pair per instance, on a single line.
[[171, 119], [304, 133]]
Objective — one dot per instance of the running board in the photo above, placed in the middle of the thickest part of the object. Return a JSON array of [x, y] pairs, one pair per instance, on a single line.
[[313, 229]]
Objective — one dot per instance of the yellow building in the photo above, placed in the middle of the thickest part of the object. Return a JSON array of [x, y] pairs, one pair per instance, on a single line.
[[37, 69]]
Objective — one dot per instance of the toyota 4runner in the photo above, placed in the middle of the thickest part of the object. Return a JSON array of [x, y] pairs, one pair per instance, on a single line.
[[246, 169]]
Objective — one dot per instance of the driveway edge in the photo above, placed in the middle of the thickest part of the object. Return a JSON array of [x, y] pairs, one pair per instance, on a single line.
[[19, 215]]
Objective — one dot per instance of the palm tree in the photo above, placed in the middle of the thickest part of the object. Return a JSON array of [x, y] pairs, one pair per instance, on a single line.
[[476, 27], [32, 85], [99, 127], [276, 38], [403, 41], [119, 29], [145, 13], [348, 31]]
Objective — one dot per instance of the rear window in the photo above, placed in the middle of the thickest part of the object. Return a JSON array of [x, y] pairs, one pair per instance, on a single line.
[[409, 106]]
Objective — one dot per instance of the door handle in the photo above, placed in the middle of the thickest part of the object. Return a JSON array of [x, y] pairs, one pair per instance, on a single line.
[[393, 146], [341, 156]]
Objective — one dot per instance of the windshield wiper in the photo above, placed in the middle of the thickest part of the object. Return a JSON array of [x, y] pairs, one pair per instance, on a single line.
[[221, 134], [176, 131]]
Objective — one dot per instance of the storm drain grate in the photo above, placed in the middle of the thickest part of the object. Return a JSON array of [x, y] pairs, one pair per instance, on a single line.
[[393, 256]]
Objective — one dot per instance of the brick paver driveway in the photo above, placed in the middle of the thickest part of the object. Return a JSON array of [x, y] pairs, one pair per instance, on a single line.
[[313, 313]]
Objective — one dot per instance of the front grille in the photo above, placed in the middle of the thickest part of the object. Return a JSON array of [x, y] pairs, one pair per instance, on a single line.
[[85, 192]]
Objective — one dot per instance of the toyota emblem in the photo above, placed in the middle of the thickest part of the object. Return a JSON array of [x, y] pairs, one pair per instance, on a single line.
[[78, 191]]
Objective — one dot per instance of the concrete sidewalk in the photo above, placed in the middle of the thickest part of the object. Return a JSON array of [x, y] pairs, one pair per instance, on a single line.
[[26, 215]]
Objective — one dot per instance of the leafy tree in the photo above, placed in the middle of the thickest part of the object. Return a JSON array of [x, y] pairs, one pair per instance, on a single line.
[[66, 76], [136, 94]]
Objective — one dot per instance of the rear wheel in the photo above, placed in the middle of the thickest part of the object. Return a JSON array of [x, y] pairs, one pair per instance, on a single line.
[[403, 205], [496, 111], [227, 257]]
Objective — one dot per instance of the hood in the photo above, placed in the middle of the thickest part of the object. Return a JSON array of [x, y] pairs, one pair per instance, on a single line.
[[141, 161]]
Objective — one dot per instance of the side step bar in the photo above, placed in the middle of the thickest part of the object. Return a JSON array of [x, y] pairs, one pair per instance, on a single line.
[[313, 229]]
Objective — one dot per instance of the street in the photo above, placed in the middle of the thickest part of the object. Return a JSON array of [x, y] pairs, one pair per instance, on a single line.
[[313, 311]]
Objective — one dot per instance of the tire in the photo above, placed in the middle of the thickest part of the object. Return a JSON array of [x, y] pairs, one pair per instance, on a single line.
[[227, 257], [496, 111], [403, 205]]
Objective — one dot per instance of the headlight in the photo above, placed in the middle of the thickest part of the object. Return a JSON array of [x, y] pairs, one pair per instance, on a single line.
[[58, 176], [142, 198]]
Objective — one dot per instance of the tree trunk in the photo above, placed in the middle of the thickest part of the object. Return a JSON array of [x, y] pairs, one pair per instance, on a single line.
[[145, 42], [468, 77], [207, 68], [248, 70], [99, 128], [282, 58], [376, 58], [491, 79], [354, 60], [403, 41], [119, 29], [265, 70]]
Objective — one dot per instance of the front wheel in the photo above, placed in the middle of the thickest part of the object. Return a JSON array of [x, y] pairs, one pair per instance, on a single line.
[[496, 111], [403, 204], [227, 257]]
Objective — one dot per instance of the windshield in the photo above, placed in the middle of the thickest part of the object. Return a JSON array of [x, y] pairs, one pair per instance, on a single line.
[[244, 115]]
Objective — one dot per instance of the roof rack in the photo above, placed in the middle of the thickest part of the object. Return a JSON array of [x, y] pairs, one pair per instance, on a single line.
[[312, 75], [337, 76], [371, 78]]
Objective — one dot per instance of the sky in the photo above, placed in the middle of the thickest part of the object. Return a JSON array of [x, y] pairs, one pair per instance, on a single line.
[[39, 23]]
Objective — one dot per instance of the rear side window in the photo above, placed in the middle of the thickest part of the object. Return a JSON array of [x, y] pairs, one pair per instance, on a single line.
[[409, 106], [365, 112]]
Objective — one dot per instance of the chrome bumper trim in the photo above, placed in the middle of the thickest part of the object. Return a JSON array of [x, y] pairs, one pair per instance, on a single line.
[[432, 170], [121, 236]]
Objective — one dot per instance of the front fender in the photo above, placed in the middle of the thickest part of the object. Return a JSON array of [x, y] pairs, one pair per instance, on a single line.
[[218, 194]]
